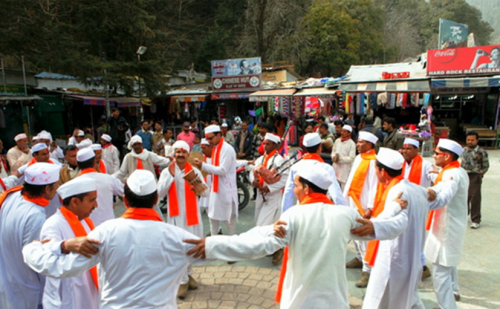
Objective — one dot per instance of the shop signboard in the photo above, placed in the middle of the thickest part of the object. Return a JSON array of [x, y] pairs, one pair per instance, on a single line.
[[452, 34], [236, 74], [480, 60]]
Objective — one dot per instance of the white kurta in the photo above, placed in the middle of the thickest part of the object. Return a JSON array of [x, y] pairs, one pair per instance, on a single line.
[[107, 186], [10, 182], [426, 178], [75, 292], [446, 236], [316, 273], [334, 191], [56, 154], [129, 164], [111, 158], [223, 204], [369, 191], [347, 152], [141, 263], [20, 224], [205, 201], [269, 211], [398, 267], [17, 158], [164, 184]]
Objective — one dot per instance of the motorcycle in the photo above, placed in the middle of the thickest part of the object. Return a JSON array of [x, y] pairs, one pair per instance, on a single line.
[[242, 184]]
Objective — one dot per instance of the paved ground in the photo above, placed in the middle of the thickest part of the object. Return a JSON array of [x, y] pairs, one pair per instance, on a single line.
[[252, 284]]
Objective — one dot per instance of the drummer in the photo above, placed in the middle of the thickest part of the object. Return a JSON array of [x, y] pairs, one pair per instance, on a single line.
[[183, 210]]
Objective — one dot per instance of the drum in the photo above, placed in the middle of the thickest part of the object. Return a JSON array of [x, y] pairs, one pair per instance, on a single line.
[[198, 186], [196, 155]]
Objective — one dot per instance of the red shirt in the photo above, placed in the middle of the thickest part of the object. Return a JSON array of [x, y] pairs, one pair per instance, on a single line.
[[188, 138]]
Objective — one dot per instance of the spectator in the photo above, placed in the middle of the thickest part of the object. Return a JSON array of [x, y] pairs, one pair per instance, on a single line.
[[228, 136], [475, 162], [327, 140], [338, 128], [259, 138], [145, 134], [197, 144], [350, 120], [308, 129], [243, 143], [157, 137], [186, 135], [118, 126], [393, 140], [167, 142]]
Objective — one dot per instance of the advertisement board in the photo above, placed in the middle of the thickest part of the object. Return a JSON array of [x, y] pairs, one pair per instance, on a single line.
[[452, 34], [236, 74], [480, 60]]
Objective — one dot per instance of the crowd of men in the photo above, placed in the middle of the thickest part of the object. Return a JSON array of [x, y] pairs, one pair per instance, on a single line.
[[62, 246]]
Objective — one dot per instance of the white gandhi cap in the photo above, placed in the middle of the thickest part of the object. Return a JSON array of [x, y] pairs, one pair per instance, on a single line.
[[367, 136], [106, 137], [347, 127], [312, 171], [84, 154], [212, 129], [80, 133], [42, 173], [311, 139], [142, 182], [38, 147], [181, 145], [20, 136], [84, 144], [450, 145], [411, 141], [272, 137], [77, 186], [390, 158], [204, 141], [96, 147]]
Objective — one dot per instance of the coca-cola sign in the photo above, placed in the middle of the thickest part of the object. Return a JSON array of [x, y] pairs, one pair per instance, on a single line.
[[483, 60]]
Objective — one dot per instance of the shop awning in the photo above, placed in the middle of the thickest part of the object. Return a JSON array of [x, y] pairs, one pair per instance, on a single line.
[[125, 101], [230, 96], [416, 85], [264, 95], [190, 98], [19, 98], [318, 91], [90, 100], [474, 82]]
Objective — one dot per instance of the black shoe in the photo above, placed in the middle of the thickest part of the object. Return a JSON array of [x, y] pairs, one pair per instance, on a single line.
[[253, 198], [220, 232]]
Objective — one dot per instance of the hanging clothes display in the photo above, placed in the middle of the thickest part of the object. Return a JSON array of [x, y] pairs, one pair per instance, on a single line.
[[286, 107], [372, 99], [361, 99]]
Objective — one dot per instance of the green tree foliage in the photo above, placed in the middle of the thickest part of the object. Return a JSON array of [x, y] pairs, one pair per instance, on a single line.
[[490, 10]]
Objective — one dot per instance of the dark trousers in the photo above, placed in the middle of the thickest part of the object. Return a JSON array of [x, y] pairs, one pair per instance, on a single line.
[[474, 198]]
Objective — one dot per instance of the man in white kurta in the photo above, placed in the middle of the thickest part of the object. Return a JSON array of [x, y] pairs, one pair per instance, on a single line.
[[223, 204], [397, 268], [56, 152], [268, 211], [110, 155], [107, 186], [141, 258], [343, 154], [206, 149], [361, 195], [448, 224], [312, 144], [420, 172], [185, 213], [76, 292], [20, 154], [315, 274], [139, 158], [21, 218]]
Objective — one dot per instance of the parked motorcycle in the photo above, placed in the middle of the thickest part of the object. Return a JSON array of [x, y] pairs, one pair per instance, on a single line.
[[242, 184]]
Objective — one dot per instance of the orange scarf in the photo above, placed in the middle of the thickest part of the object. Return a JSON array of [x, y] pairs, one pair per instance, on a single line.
[[190, 201], [33, 161], [4, 195], [40, 201], [382, 192], [141, 214], [79, 231], [87, 171], [308, 199], [416, 170], [430, 216], [3, 185], [266, 159], [139, 164], [107, 145], [343, 139], [216, 155], [358, 180], [102, 167], [313, 156]]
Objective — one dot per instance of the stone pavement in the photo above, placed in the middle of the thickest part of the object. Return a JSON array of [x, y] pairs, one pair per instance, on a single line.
[[237, 286]]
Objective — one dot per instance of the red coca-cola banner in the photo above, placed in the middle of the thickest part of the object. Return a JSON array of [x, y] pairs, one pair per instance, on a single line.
[[479, 60]]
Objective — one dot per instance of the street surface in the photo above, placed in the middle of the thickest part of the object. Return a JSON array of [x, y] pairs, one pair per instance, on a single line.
[[252, 284]]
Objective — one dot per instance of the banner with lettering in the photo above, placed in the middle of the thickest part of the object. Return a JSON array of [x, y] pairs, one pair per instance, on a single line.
[[452, 34], [480, 60], [236, 74]]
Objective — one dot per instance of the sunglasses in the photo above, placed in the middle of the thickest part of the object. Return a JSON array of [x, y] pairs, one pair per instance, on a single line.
[[440, 153]]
